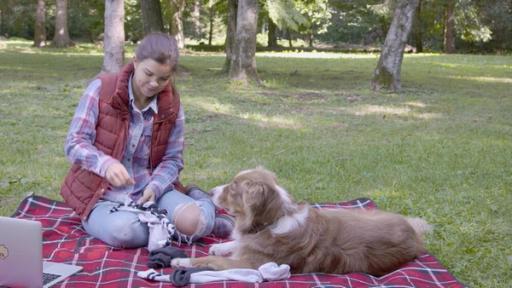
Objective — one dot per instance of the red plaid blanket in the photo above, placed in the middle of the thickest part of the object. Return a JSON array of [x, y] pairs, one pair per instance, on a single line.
[[104, 266]]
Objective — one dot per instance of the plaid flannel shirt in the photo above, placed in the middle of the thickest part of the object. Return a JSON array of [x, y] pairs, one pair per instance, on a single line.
[[80, 150]]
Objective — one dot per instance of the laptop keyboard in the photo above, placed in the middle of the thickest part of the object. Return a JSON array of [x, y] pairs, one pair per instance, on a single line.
[[47, 277]]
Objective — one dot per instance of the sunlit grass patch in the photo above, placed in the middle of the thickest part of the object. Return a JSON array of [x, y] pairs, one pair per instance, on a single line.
[[486, 79]]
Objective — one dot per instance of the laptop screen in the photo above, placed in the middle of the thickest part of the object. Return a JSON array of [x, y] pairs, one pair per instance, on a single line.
[[21, 259]]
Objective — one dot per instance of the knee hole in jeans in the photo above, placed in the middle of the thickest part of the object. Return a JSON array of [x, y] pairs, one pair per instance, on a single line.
[[187, 218]]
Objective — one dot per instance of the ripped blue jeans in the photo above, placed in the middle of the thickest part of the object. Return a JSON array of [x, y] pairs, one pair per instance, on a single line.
[[124, 230]]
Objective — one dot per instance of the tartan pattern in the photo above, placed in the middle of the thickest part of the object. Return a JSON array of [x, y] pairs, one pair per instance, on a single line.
[[105, 266]]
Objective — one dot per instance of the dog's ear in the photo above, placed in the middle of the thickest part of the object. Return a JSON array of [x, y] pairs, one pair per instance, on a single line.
[[263, 203], [254, 193], [249, 194]]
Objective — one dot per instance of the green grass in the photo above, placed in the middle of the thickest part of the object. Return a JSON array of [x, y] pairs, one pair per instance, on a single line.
[[441, 149]]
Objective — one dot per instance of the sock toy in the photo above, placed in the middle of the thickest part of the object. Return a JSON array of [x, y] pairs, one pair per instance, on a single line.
[[161, 257], [160, 229], [269, 271]]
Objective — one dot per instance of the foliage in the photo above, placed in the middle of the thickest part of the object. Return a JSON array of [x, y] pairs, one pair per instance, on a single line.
[[469, 25], [17, 18], [134, 30], [317, 14], [210, 12], [481, 26], [357, 23], [497, 16], [285, 15], [86, 19], [440, 150]]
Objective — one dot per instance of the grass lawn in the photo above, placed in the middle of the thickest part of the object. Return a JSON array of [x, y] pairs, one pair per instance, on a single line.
[[441, 149]]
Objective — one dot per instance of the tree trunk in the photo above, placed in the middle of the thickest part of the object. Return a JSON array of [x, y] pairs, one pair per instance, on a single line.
[[243, 63], [196, 18], [449, 27], [2, 20], [230, 33], [113, 46], [309, 38], [151, 16], [387, 73], [290, 44], [176, 25], [210, 32], [39, 29], [61, 38], [418, 29], [272, 34], [6, 13]]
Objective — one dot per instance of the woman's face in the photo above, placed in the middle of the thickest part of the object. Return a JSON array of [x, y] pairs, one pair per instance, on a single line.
[[150, 78]]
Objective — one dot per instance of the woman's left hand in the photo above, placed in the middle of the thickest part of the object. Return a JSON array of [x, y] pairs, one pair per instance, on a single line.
[[147, 195]]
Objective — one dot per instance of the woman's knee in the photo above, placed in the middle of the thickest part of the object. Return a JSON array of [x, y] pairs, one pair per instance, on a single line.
[[127, 235], [193, 219]]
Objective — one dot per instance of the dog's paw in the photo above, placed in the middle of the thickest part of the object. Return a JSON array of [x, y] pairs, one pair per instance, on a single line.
[[222, 249], [181, 263]]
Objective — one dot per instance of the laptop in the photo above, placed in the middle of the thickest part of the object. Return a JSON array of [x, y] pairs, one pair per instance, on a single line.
[[21, 256]]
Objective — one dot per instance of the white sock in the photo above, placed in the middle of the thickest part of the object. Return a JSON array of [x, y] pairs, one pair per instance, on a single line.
[[151, 274], [245, 275], [270, 271]]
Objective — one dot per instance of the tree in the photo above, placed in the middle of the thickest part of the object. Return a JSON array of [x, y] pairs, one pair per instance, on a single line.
[[449, 27], [230, 33], [113, 46], [86, 19], [61, 38], [40, 30], [494, 28], [418, 29], [272, 34], [211, 18], [387, 73], [243, 62], [3, 13], [176, 25], [195, 16], [285, 16], [152, 16], [317, 18], [133, 26]]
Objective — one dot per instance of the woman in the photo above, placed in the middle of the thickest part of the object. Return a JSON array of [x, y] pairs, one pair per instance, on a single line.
[[126, 144]]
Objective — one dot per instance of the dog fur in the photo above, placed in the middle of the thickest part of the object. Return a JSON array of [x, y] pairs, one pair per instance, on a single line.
[[269, 226]]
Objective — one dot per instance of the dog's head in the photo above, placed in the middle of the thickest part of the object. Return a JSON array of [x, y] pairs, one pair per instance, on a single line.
[[254, 198]]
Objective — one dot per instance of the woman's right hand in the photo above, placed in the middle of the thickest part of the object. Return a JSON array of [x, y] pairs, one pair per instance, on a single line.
[[117, 175]]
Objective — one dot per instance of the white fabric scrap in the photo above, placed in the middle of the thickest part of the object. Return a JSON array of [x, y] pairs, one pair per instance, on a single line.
[[160, 229]]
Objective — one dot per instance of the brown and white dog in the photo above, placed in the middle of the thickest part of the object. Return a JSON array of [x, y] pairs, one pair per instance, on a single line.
[[270, 227]]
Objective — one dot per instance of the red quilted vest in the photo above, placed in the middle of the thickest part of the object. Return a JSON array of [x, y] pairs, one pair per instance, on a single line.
[[81, 188]]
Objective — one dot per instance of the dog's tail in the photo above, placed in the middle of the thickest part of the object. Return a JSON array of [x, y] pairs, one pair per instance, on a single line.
[[419, 225]]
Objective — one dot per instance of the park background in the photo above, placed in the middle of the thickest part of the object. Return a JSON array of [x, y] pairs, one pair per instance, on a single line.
[[437, 146]]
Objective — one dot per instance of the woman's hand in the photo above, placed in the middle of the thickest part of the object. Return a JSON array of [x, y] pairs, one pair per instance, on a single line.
[[117, 175], [147, 196]]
